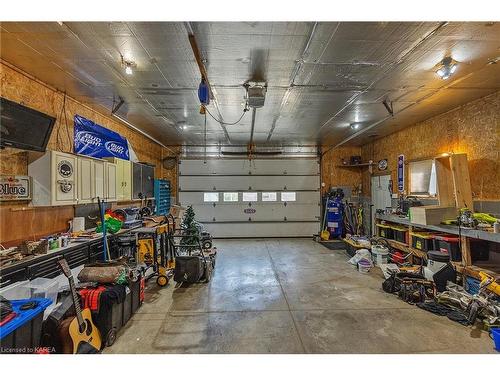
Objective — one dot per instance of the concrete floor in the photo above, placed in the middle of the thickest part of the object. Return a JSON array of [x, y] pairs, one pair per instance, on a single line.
[[288, 296]]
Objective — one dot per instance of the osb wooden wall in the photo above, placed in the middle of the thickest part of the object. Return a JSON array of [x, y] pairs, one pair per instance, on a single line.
[[473, 129], [15, 221], [334, 175]]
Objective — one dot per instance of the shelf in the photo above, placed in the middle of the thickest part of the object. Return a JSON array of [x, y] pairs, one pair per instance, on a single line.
[[473, 271], [407, 249], [470, 233], [355, 165]]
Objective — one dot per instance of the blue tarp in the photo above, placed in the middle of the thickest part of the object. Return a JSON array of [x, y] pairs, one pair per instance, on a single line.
[[94, 140]]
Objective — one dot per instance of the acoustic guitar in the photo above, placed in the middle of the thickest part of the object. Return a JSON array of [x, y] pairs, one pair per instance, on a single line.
[[78, 333]]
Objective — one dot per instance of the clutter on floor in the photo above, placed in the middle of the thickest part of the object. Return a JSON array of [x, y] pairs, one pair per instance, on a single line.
[[102, 282]]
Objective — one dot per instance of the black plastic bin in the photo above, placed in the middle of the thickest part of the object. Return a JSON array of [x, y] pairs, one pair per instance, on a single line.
[[385, 231], [109, 320], [448, 245], [135, 289], [422, 241]]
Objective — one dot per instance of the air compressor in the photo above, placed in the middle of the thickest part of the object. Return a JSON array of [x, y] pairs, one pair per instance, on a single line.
[[335, 214]]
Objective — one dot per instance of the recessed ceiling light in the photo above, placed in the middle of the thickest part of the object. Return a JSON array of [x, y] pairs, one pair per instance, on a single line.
[[355, 126], [128, 70]]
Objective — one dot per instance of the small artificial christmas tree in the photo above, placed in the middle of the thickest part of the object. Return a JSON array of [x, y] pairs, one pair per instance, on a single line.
[[189, 228]]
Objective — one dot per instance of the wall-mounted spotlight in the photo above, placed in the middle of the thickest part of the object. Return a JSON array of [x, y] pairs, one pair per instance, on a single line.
[[446, 68], [355, 126]]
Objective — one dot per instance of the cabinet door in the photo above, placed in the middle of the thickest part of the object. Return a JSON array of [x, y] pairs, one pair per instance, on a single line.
[[84, 180], [97, 180], [127, 180], [136, 180], [110, 181], [119, 180], [148, 176]]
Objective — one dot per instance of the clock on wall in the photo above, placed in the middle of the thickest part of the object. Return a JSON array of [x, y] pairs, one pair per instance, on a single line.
[[382, 165]]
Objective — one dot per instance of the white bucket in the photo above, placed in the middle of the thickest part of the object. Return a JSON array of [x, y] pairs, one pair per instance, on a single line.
[[364, 266], [380, 254]]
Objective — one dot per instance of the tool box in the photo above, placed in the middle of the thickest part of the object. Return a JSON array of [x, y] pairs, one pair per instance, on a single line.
[[22, 334], [423, 241], [400, 233], [385, 231]]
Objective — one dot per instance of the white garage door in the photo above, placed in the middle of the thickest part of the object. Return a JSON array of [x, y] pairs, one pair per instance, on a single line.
[[258, 198]]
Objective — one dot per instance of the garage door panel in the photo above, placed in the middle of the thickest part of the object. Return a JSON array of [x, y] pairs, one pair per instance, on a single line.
[[196, 197], [256, 212], [243, 230], [245, 166], [239, 183], [296, 217]]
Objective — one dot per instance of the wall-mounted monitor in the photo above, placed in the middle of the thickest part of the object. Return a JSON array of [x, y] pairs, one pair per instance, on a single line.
[[23, 127]]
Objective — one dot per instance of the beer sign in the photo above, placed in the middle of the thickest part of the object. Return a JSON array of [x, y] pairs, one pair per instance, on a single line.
[[15, 188]]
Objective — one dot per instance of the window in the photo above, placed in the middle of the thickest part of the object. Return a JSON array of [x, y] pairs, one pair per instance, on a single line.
[[423, 178], [230, 197], [288, 196], [210, 197], [249, 197], [269, 197]]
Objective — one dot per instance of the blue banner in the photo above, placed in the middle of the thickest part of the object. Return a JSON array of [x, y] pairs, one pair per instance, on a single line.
[[96, 141]]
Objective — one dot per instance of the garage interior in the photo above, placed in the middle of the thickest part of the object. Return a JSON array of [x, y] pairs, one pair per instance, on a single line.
[[250, 187]]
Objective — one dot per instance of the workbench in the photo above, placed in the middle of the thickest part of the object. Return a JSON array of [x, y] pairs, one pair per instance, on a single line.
[[465, 267], [77, 253]]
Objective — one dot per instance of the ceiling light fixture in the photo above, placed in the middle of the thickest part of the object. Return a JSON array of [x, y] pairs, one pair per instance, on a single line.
[[128, 65], [355, 126], [447, 67]]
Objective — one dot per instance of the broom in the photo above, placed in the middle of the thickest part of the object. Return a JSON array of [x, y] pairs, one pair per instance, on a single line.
[[325, 234]]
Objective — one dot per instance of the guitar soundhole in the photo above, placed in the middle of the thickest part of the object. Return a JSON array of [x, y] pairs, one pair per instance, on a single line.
[[88, 327]]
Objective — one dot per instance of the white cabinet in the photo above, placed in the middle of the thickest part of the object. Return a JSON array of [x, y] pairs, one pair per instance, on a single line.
[[91, 180], [110, 181], [123, 178], [54, 179], [66, 179]]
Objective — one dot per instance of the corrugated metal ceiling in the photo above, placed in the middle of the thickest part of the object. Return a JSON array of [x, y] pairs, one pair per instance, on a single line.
[[321, 76]]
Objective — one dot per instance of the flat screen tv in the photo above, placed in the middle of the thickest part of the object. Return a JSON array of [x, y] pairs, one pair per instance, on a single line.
[[23, 127]]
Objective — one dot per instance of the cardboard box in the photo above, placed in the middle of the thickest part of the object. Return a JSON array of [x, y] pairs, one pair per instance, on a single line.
[[432, 215], [177, 211]]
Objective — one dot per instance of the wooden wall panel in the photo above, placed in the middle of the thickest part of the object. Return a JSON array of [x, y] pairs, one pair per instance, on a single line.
[[20, 87], [473, 129], [333, 175]]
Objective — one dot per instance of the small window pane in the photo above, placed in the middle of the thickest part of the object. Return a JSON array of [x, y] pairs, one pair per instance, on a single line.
[[269, 197], [288, 196], [210, 197], [249, 197], [230, 197]]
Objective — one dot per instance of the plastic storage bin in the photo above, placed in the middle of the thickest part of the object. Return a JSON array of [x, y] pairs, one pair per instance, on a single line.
[[45, 288], [385, 231], [422, 241], [22, 334], [399, 233], [449, 245], [18, 290]]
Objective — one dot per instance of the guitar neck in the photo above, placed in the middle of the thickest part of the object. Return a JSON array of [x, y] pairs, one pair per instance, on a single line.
[[76, 301]]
